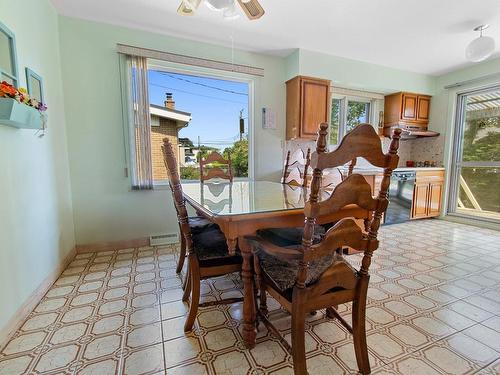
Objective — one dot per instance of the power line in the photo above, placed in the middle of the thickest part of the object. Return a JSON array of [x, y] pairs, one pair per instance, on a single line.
[[203, 84], [192, 93]]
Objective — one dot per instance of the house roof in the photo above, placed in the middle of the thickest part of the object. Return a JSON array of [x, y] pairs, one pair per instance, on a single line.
[[181, 117]]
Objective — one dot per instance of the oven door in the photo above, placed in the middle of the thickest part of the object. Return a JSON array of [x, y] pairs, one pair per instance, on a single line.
[[400, 198]]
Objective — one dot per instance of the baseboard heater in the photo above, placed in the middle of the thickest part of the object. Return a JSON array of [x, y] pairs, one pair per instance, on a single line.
[[163, 239]]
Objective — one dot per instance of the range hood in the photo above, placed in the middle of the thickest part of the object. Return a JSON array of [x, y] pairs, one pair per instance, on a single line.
[[412, 132]]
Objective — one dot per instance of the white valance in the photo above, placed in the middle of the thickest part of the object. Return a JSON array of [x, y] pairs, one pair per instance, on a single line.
[[189, 60]]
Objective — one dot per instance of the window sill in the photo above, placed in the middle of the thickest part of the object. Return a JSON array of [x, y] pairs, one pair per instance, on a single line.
[[163, 185]]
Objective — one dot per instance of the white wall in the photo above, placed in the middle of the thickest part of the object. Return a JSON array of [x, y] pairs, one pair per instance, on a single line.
[[36, 222]]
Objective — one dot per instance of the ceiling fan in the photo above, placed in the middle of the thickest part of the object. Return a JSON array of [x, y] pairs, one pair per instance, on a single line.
[[252, 8]]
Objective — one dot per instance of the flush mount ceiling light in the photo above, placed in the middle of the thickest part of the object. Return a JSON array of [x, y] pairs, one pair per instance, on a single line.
[[480, 48], [252, 8]]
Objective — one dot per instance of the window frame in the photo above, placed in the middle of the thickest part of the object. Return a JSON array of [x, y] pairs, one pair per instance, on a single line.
[[222, 75], [456, 155], [344, 108], [13, 56]]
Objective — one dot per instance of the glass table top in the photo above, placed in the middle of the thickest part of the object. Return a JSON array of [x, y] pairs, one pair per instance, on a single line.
[[245, 197]]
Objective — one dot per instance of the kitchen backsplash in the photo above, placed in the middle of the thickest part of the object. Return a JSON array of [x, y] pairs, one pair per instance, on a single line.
[[431, 149], [420, 149]]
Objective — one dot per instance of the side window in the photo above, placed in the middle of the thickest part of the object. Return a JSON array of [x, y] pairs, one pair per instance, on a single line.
[[346, 113], [8, 59]]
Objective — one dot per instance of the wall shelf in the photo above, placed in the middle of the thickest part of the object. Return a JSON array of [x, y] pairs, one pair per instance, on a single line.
[[18, 115]]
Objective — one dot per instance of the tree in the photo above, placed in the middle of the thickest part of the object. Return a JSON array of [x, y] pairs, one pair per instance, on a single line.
[[204, 152], [482, 139], [238, 154], [356, 112], [186, 142], [190, 173]]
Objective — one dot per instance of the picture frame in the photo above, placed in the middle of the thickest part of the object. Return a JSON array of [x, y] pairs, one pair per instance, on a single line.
[[34, 83]]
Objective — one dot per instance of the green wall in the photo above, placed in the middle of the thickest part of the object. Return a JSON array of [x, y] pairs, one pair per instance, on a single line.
[[105, 208], [36, 221], [360, 75]]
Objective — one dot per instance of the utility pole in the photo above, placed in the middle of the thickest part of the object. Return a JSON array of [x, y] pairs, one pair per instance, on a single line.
[[242, 125]]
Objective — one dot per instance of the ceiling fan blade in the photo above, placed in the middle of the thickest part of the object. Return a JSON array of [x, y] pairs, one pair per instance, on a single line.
[[252, 9], [188, 7]]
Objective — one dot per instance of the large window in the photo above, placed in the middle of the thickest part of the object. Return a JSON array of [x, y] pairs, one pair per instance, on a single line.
[[476, 160], [347, 113], [8, 62], [200, 115]]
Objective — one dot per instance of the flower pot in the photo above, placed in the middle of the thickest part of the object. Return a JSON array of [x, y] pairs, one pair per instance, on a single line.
[[18, 115]]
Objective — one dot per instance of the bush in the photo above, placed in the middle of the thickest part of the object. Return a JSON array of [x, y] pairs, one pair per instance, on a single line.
[[190, 173]]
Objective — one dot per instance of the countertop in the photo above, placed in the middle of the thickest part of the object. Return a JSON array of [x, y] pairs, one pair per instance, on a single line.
[[371, 171], [420, 169]]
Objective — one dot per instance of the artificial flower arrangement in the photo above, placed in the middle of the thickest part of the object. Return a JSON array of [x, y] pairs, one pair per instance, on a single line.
[[21, 95]]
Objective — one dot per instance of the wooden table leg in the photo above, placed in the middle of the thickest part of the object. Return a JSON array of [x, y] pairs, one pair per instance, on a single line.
[[231, 245], [249, 333]]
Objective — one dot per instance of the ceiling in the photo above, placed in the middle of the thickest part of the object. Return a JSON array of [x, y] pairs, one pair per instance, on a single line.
[[424, 36]]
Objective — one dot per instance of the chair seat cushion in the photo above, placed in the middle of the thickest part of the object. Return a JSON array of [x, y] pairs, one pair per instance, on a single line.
[[199, 224], [284, 273], [211, 248], [289, 236]]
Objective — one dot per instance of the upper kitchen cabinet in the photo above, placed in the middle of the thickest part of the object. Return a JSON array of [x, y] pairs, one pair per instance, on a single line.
[[407, 110], [307, 105]]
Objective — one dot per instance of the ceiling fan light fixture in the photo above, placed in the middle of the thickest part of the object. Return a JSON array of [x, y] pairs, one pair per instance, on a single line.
[[480, 48], [192, 4], [219, 5]]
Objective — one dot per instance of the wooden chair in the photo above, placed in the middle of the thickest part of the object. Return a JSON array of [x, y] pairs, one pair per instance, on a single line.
[[296, 168], [314, 275], [206, 246], [221, 169]]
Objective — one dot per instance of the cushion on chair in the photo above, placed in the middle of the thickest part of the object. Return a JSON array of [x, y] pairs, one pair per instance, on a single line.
[[198, 224], [211, 248], [289, 236], [284, 273]]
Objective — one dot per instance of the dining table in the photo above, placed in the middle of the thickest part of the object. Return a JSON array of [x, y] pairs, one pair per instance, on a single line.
[[242, 207]]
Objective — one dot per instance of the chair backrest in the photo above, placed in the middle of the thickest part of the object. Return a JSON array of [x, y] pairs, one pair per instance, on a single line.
[[364, 142], [174, 182], [215, 166], [296, 168]]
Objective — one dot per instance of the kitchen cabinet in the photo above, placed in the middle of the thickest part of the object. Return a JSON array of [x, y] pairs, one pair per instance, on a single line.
[[307, 105], [407, 109], [427, 194]]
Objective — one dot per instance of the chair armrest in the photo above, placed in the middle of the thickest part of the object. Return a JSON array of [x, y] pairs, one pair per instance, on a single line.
[[283, 253]]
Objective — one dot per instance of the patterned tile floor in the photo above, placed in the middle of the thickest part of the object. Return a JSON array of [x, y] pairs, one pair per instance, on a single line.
[[434, 308]]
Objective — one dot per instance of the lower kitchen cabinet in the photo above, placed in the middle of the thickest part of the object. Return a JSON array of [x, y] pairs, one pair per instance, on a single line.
[[420, 200], [427, 194]]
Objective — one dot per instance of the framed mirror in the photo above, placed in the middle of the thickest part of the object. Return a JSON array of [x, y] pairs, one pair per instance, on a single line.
[[8, 58], [35, 85]]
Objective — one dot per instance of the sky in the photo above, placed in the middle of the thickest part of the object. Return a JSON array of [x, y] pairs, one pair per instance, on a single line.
[[214, 105]]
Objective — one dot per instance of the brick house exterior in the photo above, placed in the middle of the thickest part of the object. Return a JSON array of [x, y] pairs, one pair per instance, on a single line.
[[165, 123]]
